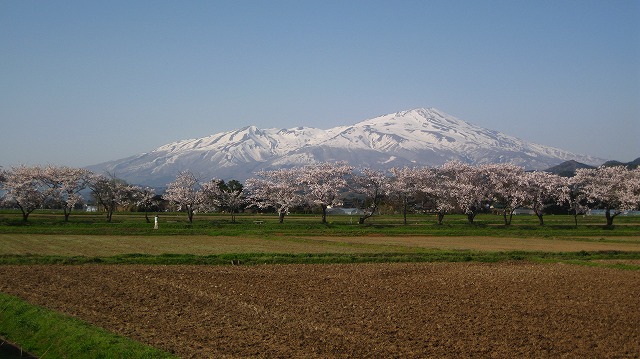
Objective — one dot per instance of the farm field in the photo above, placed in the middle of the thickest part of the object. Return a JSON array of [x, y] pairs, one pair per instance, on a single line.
[[508, 309], [303, 289]]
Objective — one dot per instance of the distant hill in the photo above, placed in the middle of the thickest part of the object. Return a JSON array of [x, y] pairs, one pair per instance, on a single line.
[[613, 163], [568, 168], [630, 165]]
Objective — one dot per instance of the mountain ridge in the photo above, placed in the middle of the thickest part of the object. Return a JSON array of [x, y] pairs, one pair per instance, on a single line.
[[417, 137], [568, 168]]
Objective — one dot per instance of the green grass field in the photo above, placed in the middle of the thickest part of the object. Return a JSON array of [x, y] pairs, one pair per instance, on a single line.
[[246, 224], [213, 239]]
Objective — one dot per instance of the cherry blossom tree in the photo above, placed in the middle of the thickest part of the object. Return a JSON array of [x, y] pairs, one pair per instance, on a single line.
[[145, 197], [216, 194], [110, 192], [208, 195], [610, 188], [470, 187], [374, 185], [442, 188], [405, 184], [577, 202], [231, 197], [185, 193], [323, 183], [25, 189], [279, 189], [508, 187], [634, 185], [544, 189], [64, 186]]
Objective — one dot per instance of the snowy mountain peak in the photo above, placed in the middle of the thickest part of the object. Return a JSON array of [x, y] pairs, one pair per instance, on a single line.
[[422, 136]]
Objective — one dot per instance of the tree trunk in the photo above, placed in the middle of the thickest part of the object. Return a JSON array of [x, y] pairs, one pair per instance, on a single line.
[[470, 217], [146, 215], [367, 215], [110, 209], [190, 215], [507, 219], [440, 217], [404, 209], [25, 214], [610, 217], [324, 214], [281, 216], [540, 218]]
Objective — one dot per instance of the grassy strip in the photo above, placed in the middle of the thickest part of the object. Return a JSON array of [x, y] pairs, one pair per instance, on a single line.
[[49, 334], [389, 225], [324, 258], [316, 229]]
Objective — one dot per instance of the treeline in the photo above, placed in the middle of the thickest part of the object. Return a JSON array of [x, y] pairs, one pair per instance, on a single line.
[[454, 187]]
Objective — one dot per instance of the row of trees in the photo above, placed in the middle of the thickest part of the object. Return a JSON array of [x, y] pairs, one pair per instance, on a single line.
[[454, 187], [31, 188]]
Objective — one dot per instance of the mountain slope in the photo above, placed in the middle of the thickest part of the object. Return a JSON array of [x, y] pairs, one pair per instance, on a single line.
[[408, 138]]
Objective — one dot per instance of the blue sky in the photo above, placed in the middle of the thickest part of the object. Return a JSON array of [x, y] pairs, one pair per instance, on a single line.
[[83, 82]]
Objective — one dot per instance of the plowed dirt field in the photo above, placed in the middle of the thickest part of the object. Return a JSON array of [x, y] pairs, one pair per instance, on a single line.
[[364, 310]]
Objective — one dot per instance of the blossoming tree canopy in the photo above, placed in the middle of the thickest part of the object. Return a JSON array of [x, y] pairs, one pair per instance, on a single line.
[[614, 189]]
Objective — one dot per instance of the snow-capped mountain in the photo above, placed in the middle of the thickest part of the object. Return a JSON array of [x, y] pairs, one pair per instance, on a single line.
[[410, 138]]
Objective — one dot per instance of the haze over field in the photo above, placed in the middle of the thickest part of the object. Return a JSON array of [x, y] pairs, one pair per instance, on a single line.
[[89, 82]]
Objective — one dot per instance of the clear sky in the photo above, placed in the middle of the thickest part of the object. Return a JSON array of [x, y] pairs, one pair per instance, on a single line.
[[83, 82]]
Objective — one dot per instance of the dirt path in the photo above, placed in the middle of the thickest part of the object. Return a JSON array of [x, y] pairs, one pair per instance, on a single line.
[[364, 310]]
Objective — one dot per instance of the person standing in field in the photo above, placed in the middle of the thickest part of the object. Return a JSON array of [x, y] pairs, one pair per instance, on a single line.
[[155, 222]]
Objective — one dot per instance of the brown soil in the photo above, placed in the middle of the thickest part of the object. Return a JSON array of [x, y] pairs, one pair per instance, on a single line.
[[364, 310]]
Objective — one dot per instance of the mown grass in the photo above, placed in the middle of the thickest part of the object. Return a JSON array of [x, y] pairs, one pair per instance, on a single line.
[[49, 334], [388, 225]]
